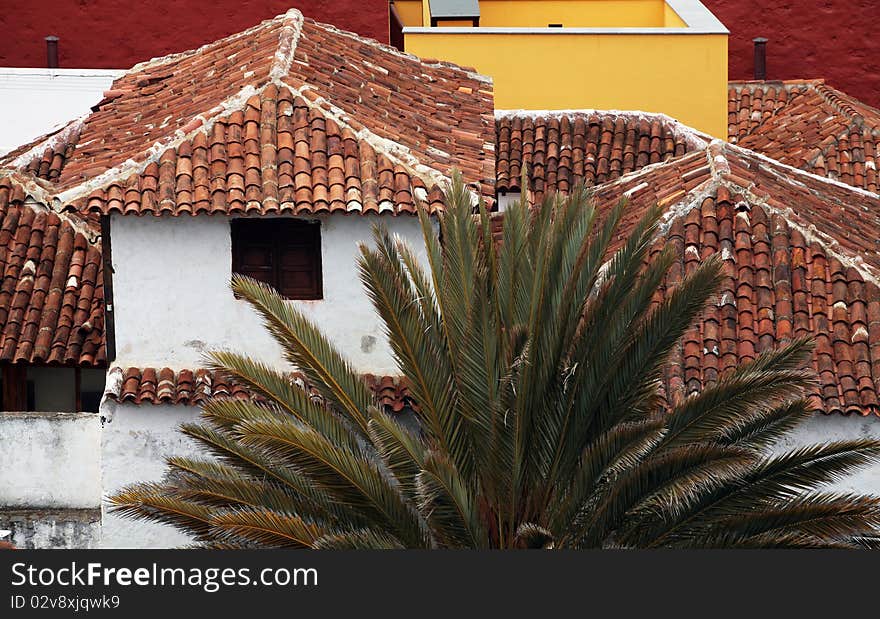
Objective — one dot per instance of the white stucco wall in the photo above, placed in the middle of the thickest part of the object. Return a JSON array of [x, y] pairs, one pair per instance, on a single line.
[[172, 298], [38, 101], [136, 441], [50, 460]]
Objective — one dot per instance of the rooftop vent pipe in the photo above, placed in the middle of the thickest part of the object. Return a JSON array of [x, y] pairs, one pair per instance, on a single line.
[[52, 52], [760, 58]]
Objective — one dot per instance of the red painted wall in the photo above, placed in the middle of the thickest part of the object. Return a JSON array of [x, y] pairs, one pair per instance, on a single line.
[[832, 39], [116, 34]]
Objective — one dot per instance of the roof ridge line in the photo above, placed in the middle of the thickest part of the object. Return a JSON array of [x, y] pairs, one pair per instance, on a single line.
[[196, 124], [42, 200], [691, 200], [785, 83], [810, 231], [470, 71], [718, 166], [287, 42], [47, 140], [799, 172], [635, 174], [838, 100]]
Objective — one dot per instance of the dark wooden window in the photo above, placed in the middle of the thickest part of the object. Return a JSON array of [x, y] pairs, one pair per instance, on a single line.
[[15, 388], [284, 253]]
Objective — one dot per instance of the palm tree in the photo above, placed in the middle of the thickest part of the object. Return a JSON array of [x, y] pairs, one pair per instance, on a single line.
[[536, 367]]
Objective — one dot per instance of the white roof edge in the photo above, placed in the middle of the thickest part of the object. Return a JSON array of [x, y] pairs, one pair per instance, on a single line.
[[560, 31], [76, 72], [695, 14], [698, 18]]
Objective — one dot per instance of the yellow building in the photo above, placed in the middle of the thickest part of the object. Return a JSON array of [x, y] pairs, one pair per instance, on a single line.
[[666, 56]]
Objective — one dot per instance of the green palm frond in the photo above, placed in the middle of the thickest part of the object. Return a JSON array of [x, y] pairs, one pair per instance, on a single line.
[[536, 363], [154, 502], [264, 528], [309, 350]]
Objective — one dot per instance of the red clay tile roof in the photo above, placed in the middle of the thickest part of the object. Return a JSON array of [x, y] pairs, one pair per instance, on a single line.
[[52, 291], [195, 387], [290, 116], [808, 125], [46, 156], [800, 254], [560, 149], [319, 167]]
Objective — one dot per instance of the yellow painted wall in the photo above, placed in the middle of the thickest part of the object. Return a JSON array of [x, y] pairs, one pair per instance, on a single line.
[[671, 18], [572, 13], [410, 12], [684, 76]]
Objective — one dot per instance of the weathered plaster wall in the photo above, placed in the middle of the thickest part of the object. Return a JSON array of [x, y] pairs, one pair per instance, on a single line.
[[832, 39], [50, 460], [112, 34], [50, 479], [52, 529], [139, 438], [172, 300], [136, 441]]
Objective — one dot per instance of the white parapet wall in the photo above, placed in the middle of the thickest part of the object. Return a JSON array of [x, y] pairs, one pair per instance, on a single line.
[[50, 460], [50, 479]]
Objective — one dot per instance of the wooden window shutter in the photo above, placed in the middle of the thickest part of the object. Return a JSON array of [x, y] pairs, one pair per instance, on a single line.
[[284, 253]]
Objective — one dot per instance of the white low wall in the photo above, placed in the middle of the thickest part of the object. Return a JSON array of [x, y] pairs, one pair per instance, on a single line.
[[172, 298], [50, 460], [136, 441]]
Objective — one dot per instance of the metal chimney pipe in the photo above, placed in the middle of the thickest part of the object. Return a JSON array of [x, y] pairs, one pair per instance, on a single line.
[[52, 52], [760, 58]]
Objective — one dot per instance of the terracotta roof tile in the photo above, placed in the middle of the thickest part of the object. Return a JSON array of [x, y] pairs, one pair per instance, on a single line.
[[195, 387], [801, 258], [808, 125], [46, 156], [560, 149], [52, 290], [289, 116], [276, 156]]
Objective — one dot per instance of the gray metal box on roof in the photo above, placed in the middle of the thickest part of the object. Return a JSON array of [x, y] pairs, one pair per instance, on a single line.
[[454, 9]]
